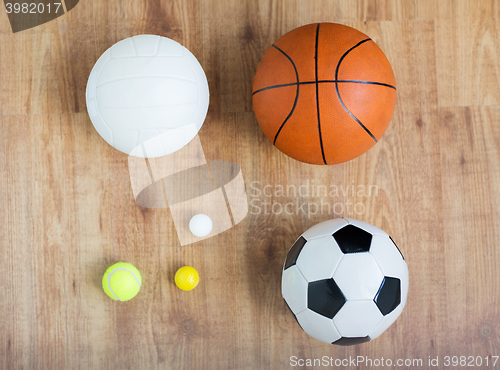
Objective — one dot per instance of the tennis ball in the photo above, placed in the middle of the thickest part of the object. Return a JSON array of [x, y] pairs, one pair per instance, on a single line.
[[121, 281], [187, 278]]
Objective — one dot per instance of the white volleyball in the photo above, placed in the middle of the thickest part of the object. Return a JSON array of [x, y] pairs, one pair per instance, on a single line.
[[147, 96]]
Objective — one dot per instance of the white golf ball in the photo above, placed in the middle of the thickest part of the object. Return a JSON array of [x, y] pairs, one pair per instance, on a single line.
[[200, 225]]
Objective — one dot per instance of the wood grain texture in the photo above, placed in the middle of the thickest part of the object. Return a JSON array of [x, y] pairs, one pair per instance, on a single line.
[[470, 139], [467, 52], [45, 69], [68, 210], [365, 10], [55, 243]]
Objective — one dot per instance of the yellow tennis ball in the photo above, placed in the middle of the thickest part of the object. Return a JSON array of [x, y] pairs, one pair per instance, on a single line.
[[121, 281], [187, 278]]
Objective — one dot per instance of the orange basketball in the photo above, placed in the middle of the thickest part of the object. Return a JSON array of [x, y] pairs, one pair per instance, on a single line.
[[324, 93]]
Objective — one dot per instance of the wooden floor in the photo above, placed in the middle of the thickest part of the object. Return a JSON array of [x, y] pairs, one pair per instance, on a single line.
[[68, 211]]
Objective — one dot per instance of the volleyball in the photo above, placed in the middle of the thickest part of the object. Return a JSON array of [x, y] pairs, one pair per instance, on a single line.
[[147, 96]]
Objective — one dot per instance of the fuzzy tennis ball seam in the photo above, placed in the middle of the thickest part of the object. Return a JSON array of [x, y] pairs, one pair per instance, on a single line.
[[122, 281]]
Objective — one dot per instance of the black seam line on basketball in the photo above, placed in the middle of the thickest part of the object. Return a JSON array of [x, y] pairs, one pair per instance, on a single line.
[[324, 81], [317, 91], [296, 94], [337, 87], [358, 82], [283, 85]]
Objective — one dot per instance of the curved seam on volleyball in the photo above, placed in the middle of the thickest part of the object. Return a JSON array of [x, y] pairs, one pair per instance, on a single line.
[[172, 77], [158, 56], [337, 88], [317, 93], [150, 106], [157, 48], [133, 47], [120, 269], [296, 93], [325, 81]]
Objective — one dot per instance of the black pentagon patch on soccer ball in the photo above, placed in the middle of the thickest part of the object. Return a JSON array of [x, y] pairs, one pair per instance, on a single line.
[[403, 257], [389, 295], [325, 297], [352, 239], [293, 253], [348, 341]]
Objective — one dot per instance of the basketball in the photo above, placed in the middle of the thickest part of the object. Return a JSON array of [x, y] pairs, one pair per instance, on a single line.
[[324, 93]]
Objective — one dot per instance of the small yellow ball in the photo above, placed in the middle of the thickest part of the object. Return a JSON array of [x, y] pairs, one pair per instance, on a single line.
[[187, 278]]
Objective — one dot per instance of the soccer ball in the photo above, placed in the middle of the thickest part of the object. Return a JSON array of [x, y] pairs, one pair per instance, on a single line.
[[147, 96], [345, 281]]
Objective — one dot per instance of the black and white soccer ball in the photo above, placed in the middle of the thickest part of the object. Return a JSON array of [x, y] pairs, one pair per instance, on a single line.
[[345, 281]]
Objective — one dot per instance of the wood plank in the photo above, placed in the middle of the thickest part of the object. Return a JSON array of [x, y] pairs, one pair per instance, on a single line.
[[239, 40], [4, 343], [58, 234], [99, 23], [45, 69], [467, 52], [19, 286], [392, 10], [470, 152], [363, 10], [24, 62], [173, 14], [90, 330], [72, 57]]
